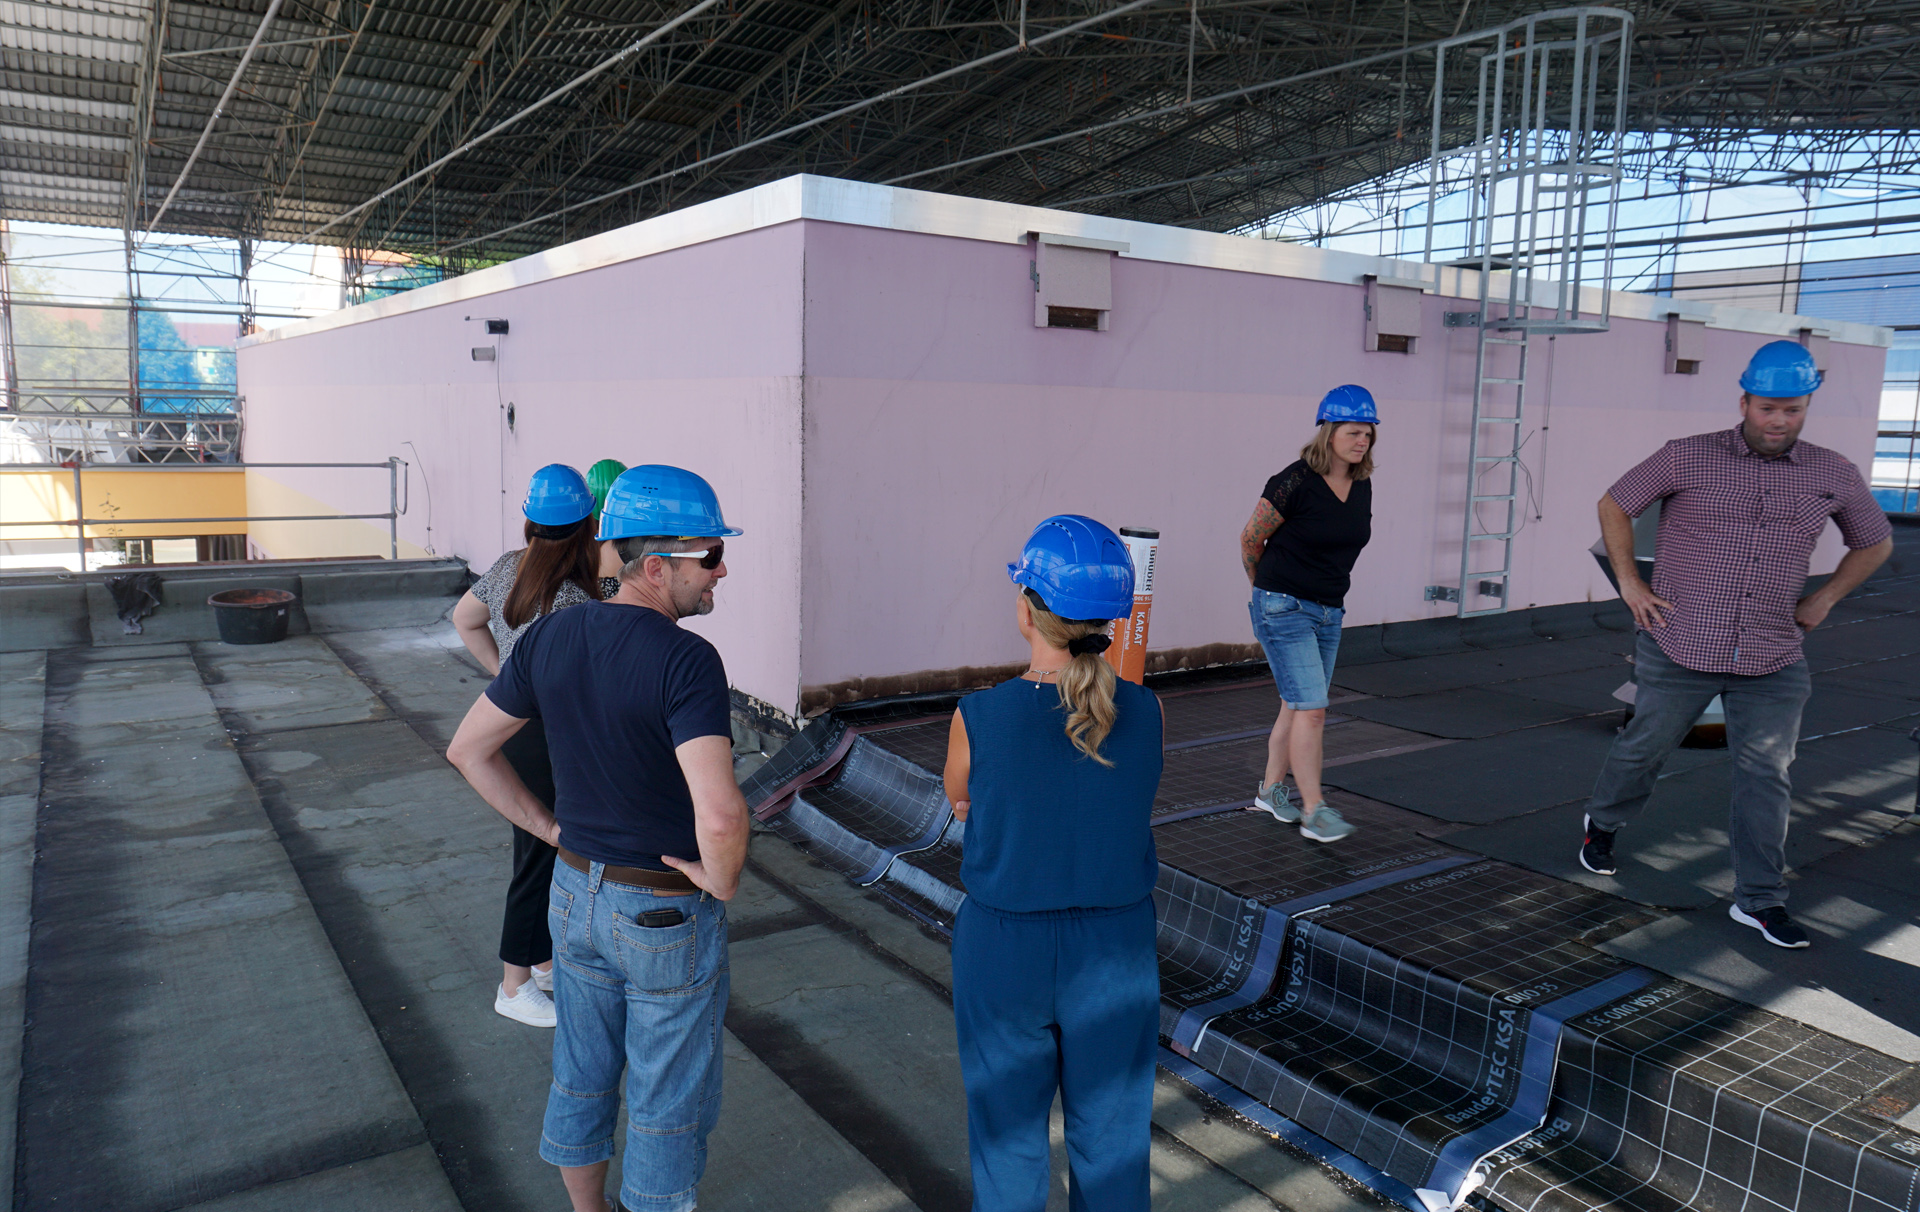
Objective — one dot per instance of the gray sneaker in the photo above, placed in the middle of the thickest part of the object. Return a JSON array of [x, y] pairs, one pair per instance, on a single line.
[[1277, 800], [1324, 824]]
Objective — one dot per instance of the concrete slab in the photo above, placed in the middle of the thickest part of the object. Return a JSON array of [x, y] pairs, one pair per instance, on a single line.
[[1566, 621], [409, 1180], [1284, 1177], [297, 683], [408, 868], [1454, 670], [169, 928], [1868, 639], [896, 936], [868, 1046], [1891, 862], [18, 818], [1842, 708], [1495, 778], [1465, 713], [381, 597], [771, 1151], [1658, 865], [1889, 675], [24, 674], [1676, 856], [183, 613], [423, 674], [1859, 980], [47, 615]]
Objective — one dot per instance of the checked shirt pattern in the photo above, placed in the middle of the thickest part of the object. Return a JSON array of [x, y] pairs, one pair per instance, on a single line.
[[1736, 534]]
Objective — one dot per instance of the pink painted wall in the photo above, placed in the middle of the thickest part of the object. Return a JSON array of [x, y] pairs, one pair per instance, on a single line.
[[878, 411], [961, 424], [690, 356]]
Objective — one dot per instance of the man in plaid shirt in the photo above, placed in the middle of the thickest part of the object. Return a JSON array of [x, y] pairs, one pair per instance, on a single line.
[[1724, 616]]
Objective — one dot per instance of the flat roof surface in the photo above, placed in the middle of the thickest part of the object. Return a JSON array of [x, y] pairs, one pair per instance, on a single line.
[[264, 914]]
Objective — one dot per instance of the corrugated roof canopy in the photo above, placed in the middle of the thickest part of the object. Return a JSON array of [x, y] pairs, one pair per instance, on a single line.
[[102, 101]]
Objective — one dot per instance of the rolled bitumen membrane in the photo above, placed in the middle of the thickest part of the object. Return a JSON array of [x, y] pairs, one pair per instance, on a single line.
[[1430, 1021]]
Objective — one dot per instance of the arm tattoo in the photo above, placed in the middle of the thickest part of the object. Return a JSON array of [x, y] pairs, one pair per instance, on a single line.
[[1253, 539]]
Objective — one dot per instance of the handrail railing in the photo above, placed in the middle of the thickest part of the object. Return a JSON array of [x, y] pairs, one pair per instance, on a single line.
[[395, 506]]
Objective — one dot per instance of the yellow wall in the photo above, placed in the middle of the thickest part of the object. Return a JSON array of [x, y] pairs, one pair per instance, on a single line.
[[266, 497], [124, 493]]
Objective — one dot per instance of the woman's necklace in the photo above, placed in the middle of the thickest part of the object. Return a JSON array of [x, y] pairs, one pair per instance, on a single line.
[[1041, 680]]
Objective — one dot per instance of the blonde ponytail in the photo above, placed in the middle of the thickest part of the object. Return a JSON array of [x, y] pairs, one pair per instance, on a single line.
[[1086, 684]]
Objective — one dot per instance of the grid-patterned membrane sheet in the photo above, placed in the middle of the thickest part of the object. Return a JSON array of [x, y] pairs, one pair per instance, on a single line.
[[1253, 856], [1218, 775], [924, 743], [1230, 711], [879, 807], [1680, 1098], [1385, 1059], [1212, 945], [1415, 1023], [798, 761], [926, 883], [1403, 1027]]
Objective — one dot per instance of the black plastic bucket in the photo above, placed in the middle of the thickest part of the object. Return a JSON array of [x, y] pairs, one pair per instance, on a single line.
[[252, 616]]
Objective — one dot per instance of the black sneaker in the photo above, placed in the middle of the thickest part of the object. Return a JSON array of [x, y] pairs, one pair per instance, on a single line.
[[1596, 852], [1773, 924]]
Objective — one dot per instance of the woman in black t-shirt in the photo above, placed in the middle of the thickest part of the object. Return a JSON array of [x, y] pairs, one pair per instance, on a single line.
[[1298, 550]]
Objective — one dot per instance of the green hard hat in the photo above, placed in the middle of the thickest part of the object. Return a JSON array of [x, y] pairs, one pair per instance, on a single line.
[[600, 477]]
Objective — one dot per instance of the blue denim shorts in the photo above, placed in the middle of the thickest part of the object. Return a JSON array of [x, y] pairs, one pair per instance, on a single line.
[[1301, 640], [644, 1003]]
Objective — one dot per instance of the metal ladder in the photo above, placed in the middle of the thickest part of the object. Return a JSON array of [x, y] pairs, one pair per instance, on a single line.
[[1493, 462], [1543, 199]]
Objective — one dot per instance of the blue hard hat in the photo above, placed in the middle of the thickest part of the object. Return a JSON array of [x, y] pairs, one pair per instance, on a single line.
[[557, 495], [1349, 403], [1080, 569], [1781, 370], [660, 500]]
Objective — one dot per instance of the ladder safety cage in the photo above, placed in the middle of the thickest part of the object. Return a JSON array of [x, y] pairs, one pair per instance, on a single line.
[[1541, 178]]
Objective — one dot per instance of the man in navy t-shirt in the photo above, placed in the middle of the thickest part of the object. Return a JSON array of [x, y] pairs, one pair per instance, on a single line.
[[652, 832]]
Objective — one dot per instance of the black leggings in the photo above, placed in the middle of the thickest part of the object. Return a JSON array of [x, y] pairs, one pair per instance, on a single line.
[[524, 939]]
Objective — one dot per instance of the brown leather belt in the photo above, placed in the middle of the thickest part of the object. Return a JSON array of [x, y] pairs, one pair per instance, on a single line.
[[660, 883]]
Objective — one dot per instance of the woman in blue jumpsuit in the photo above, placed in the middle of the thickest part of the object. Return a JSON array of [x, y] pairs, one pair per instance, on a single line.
[[1055, 980]]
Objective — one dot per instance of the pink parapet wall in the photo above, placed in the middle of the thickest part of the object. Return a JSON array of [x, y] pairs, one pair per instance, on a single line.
[[858, 371], [929, 387], [691, 356]]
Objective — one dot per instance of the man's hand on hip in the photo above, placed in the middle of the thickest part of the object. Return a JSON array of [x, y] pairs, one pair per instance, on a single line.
[[1646, 607], [696, 871], [1812, 611]]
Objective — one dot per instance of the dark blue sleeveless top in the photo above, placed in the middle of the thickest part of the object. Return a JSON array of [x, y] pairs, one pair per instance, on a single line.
[[1049, 827]]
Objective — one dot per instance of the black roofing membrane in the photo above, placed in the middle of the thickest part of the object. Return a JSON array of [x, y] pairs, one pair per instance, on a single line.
[[1439, 1016]]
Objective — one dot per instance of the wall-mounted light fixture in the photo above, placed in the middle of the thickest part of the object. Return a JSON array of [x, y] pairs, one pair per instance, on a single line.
[[484, 353]]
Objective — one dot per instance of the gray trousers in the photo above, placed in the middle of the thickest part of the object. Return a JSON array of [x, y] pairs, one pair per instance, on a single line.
[[1763, 723]]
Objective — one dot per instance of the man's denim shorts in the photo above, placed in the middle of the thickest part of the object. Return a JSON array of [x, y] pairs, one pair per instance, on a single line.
[[1301, 639]]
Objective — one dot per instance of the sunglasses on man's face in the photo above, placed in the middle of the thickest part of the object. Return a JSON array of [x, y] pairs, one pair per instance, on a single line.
[[709, 559]]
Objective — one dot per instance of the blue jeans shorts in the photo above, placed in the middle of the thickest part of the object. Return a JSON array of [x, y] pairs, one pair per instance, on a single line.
[[643, 1003], [1301, 639]]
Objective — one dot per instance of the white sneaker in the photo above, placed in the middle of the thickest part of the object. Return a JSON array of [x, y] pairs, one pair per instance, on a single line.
[[544, 979], [530, 1005]]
